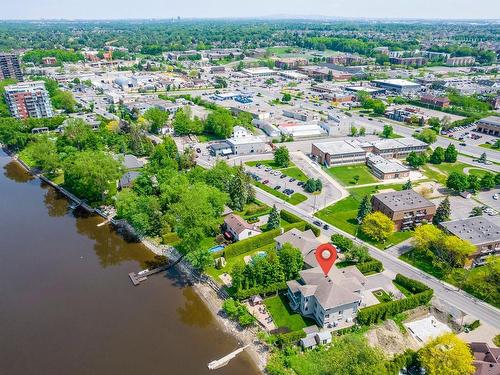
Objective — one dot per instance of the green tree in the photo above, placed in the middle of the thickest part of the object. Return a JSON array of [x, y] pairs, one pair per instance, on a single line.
[[435, 124], [64, 100], [282, 157], [274, 220], [416, 160], [362, 131], [343, 243], [354, 131], [476, 211], [164, 154], [437, 156], [473, 183], [240, 190], [408, 185], [388, 131], [43, 153], [427, 135], [497, 179], [446, 355], [286, 97], [488, 181], [143, 212], [357, 254], [483, 158], [443, 212], [364, 208], [457, 181], [450, 154], [79, 134], [220, 123], [377, 226], [291, 260], [157, 118], [91, 175]]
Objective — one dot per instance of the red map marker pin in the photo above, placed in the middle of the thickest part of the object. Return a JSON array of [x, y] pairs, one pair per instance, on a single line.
[[326, 255]]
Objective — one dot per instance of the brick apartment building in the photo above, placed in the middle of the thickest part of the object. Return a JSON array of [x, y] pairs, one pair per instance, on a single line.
[[441, 102], [406, 208], [10, 67]]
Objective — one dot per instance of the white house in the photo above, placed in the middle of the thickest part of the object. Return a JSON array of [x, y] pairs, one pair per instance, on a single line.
[[329, 300], [239, 229]]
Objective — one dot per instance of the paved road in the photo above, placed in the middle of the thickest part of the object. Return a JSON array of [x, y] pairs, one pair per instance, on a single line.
[[444, 291]]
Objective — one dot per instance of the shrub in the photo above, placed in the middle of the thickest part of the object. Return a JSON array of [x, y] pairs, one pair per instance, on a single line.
[[342, 242], [290, 338], [273, 288], [372, 265], [289, 217], [237, 311], [411, 285], [314, 228]]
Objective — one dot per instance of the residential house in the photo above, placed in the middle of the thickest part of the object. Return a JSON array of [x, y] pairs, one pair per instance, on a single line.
[[486, 358], [238, 229], [306, 242], [329, 300]]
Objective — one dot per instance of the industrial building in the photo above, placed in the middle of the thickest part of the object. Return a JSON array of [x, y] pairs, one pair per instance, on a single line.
[[10, 67], [385, 169], [481, 232], [259, 72], [400, 86], [243, 142], [28, 100], [405, 208]]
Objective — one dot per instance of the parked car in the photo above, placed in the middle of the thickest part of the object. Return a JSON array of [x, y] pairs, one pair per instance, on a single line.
[[198, 150], [495, 197], [300, 183], [463, 144], [317, 222], [326, 226], [265, 182], [283, 176], [291, 180], [277, 187]]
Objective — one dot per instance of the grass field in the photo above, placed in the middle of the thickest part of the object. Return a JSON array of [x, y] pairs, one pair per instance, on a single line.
[[343, 214], [440, 172], [207, 138], [295, 173], [283, 315], [346, 175]]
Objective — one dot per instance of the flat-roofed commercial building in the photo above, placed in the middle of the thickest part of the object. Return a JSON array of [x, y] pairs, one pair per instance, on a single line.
[[481, 232], [406, 208], [398, 148], [259, 72], [338, 153], [386, 169], [489, 125], [398, 85]]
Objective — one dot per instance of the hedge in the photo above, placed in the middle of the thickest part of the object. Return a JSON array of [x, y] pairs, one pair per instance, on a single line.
[[260, 240], [288, 216], [342, 242], [370, 266], [246, 293], [314, 228], [383, 311], [284, 339], [411, 285]]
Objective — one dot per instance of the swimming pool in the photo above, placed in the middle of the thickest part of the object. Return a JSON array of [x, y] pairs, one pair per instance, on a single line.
[[216, 248]]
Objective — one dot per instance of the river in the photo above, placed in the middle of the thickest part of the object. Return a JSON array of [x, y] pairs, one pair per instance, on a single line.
[[67, 305]]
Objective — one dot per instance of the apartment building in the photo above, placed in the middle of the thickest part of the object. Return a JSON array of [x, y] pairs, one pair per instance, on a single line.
[[28, 99], [436, 101], [408, 61], [461, 61], [406, 208], [10, 67], [290, 63], [481, 232]]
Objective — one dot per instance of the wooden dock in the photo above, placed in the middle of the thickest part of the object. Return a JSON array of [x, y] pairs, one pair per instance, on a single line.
[[218, 363], [138, 277]]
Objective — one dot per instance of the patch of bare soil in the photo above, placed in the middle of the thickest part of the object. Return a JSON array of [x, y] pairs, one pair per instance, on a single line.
[[389, 338]]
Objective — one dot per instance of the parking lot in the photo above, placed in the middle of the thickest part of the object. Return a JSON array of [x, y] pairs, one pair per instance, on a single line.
[[277, 180], [469, 136]]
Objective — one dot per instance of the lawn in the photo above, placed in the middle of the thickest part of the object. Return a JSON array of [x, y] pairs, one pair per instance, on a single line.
[[215, 273], [440, 172], [283, 315], [207, 138], [349, 175], [254, 209], [489, 147], [295, 173], [294, 199], [382, 295]]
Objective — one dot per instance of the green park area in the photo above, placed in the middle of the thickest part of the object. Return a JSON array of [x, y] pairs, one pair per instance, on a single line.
[[351, 175], [283, 315], [343, 214], [440, 172]]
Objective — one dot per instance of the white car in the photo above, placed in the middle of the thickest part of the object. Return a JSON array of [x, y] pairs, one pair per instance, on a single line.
[[495, 197]]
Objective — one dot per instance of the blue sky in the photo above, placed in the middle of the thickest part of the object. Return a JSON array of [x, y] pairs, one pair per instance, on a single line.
[[113, 9]]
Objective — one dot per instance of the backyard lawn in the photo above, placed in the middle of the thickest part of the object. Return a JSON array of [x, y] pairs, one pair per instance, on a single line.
[[350, 175], [283, 316]]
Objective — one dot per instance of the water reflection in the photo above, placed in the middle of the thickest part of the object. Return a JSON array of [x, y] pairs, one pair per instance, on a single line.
[[56, 204], [193, 313], [14, 172]]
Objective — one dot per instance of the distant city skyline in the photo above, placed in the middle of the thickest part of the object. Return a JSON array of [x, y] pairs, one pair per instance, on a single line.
[[161, 9]]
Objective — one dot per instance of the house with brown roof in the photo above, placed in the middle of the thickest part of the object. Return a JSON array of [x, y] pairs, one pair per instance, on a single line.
[[238, 229], [329, 300], [486, 359]]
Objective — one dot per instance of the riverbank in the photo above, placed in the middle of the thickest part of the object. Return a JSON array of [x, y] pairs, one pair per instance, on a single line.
[[256, 351]]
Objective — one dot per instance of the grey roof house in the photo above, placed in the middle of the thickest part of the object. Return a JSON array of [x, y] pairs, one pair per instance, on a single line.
[[306, 242], [329, 300]]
